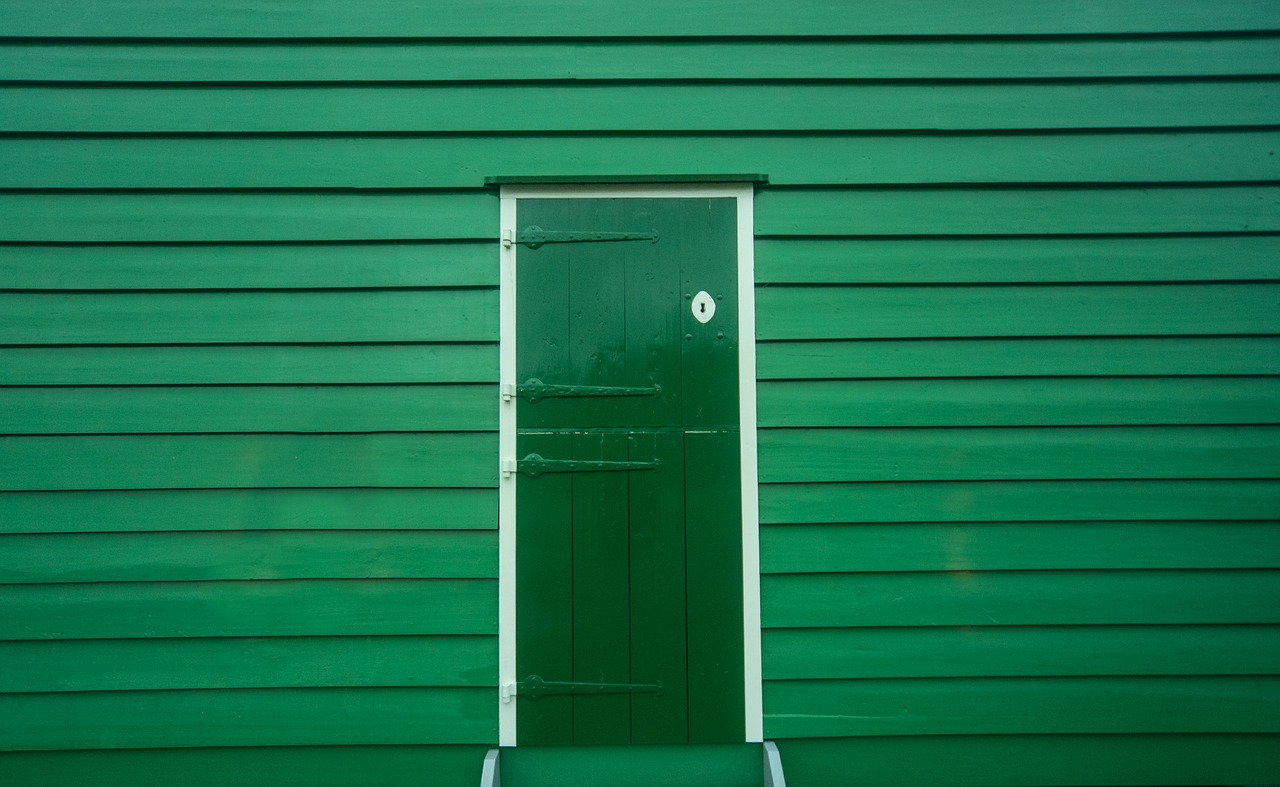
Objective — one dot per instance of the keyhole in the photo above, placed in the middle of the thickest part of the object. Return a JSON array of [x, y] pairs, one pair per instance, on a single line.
[[703, 307]]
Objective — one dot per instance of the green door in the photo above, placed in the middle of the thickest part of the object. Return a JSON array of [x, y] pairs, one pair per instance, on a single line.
[[629, 545]]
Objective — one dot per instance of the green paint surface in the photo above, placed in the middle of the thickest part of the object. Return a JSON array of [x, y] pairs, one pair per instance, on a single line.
[[254, 461], [1019, 453], [1011, 546], [178, 510], [1019, 598], [546, 18], [299, 266], [690, 765], [1032, 356], [1018, 759], [253, 216], [1018, 651], [1026, 500], [1017, 312], [1019, 260], [434, 160], [248, 608], [248, 662], [874, 312], [260, 766], [257, 316], [520, 60], [685, 107], [1053, 401], [298, 717], [250, 364], [631, 577], [321, 409], [256, 554]]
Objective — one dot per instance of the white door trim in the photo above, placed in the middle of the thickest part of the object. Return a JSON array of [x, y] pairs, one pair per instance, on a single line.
[[743, 194]]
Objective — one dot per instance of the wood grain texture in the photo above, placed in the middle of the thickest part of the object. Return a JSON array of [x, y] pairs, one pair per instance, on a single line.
[[282, 608], [1006, 501], [814, 709], [634, 107], [991, 546], [1018, 211], [1018, 260], [247, 662], [250, 364], [222, 409], [526, 60], [246, 216], [260, 266], [264, 766], [973, 454], [874, 312], [176, 510], [450, 160], [1019, 352], [966, 760], [1020, 598], [463, 459], [253, 717], [548, 18], [1008, 651], [1027, 357], [1020, 402], [253, 317], [266, 555]]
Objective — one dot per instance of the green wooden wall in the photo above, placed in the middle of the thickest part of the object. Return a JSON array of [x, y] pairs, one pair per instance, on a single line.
[[1018, 272]]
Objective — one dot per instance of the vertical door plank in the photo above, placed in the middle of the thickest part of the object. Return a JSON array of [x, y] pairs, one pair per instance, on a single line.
[[601, 591], [658, 590], [712, 481], [713, 511], [708, 254], [544, 537], [544, 623]]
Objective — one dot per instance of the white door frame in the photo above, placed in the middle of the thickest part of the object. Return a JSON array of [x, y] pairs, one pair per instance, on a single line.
[[743, 194]]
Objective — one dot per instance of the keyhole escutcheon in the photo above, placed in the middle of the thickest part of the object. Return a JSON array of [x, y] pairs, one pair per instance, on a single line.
[[703, 307]]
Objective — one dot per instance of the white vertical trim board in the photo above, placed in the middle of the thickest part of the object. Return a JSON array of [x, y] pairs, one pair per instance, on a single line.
[[743, 194], [507, 482], [751, 649]]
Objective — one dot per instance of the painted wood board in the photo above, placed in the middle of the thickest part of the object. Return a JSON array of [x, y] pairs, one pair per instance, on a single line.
[[602, 107], [281, 608]]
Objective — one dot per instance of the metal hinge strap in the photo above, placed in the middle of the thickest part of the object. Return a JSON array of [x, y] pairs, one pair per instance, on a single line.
[[534, 237], [534, 465], [534, 687], [534, 390]]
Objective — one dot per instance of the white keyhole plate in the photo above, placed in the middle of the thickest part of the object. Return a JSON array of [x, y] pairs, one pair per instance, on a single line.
[[704, 307]]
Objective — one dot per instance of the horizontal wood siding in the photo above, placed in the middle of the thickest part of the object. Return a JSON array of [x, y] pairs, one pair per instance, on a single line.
[[1020, 508], [666, 18], [248, 459], [1018, 288]]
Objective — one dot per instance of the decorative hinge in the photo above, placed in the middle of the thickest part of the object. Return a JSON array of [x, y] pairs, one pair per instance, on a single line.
[[534, 237], [534, 687], [534, 390], [534, 465]]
